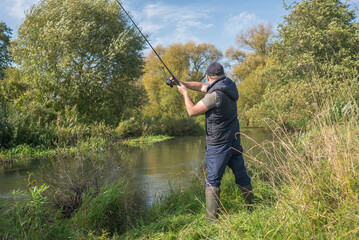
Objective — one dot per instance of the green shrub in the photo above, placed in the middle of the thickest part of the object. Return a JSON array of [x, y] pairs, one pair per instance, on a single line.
[[26, 215], [5, 132], [101, 130], [69, 129], [129, 128], [182, 127], [148, 127], [173, 127], [112, 209], [32, 125]]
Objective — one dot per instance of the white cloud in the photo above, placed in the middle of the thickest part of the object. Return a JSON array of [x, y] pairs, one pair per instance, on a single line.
[[238, 23], [180, 23], [151, 27], [155, 10], [17, 8]]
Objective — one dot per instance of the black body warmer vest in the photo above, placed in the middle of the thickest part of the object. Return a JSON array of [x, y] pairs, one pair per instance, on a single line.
[[221, 122]]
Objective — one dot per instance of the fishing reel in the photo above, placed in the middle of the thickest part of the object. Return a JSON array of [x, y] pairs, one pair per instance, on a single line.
[[170, 83]]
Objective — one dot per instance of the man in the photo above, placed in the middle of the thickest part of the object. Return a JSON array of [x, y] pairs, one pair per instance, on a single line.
[[220, 108]]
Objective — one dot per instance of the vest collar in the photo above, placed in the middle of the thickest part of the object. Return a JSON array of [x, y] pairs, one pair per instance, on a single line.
[[212, 84]]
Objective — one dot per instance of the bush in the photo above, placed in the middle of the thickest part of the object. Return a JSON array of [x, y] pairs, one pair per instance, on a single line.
[[5, 128], [168, 126], [129, 128], [69, 129], [32, 125], [112, 209], [5, 132], [26, 215], [182, 127]]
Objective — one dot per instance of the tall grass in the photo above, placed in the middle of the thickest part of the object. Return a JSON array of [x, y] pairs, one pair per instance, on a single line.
[[27, 215], [306, 186], [31, 215], [318, 171]]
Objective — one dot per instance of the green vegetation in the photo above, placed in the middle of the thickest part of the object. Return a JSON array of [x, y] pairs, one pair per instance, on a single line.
[[88, 57], [145, 140], [30, 215], [313, 58], [189, 62], [77, 59], [250, 69], [5, 59], [303, 191], [77, 88], [25, 151]]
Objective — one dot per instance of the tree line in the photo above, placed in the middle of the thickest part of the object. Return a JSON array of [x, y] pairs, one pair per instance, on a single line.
[[80, 63]]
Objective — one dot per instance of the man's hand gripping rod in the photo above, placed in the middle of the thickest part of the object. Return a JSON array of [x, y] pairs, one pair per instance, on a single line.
[[168, 81]]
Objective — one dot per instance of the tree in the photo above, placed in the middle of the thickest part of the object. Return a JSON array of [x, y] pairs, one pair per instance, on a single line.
[[81, 53], [188, 62], [5, 60], [317, 38], [251, 56], [316, 59], [253, 47], [5, 34]]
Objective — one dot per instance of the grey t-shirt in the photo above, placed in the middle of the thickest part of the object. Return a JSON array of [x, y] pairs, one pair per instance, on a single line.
[[211, 100]]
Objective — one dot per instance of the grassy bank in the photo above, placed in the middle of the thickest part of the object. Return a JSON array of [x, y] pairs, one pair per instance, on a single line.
[[306, 187], [145, 140], [25, 135], [24, 151]]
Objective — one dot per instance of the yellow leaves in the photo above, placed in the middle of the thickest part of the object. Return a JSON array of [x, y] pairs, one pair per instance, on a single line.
[[251, 58], [187, 62], [235, 54], [256, 40]]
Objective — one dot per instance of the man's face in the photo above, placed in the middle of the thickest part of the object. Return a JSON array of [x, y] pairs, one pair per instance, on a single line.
[[208, 78]]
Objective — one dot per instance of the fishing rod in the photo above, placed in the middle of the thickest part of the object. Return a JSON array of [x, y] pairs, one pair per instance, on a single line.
[[169, 82]]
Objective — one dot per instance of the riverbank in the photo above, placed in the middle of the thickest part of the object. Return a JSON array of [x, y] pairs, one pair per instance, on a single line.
[[307, 190], [145, 140], [24, 151]]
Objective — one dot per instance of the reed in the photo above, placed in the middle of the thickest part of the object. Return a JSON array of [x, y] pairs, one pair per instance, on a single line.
[[306, 187]]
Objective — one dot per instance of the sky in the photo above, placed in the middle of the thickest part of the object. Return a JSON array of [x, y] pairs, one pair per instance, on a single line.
[[169, 21]]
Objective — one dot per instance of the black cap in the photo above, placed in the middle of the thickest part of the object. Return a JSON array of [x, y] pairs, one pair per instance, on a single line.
[[215, 69]]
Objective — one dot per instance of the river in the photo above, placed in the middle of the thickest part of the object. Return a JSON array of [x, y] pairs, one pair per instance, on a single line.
[[154, 169]]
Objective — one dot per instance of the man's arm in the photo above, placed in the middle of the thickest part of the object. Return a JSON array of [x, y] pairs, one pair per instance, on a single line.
[[195, 86], [192, 109]]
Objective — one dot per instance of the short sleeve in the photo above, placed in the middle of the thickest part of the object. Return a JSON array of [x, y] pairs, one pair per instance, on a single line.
[[211, 100]]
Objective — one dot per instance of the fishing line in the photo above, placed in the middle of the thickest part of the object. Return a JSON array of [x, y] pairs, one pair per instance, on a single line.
[[169, 82]]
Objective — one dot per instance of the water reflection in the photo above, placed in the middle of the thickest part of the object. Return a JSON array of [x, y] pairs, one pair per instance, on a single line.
[[173, 161], [14, 176], [152, 167]]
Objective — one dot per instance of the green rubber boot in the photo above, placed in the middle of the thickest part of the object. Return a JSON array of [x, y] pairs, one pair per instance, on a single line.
[[212, 203], [248, 195]]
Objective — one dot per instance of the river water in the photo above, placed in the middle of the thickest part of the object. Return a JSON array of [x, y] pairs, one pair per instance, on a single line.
[[155, 167]]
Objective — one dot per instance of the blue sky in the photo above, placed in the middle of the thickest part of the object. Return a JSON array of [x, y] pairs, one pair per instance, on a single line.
[[169, 21]]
